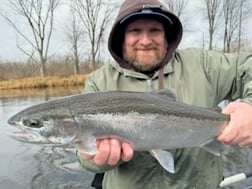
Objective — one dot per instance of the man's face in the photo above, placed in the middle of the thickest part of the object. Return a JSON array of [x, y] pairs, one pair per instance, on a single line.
[[144, 44]]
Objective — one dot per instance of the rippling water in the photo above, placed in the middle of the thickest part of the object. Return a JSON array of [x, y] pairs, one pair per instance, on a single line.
[[27, 166]]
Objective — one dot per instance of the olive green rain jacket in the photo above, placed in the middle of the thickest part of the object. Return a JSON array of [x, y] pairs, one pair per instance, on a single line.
[[198, 77]]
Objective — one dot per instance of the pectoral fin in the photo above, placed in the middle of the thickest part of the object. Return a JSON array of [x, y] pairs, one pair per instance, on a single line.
[[165, 159], [87, 145]]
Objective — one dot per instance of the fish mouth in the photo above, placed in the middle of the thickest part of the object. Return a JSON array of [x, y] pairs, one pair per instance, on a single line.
[[34, 136], [25, 135], [29, 136]]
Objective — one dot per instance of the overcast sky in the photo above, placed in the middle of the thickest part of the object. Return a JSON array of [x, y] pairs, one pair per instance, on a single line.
[[59, 45], [9, 37]]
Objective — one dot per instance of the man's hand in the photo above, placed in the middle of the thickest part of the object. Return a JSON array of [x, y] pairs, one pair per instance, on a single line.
[[239, 129], [110, 152]]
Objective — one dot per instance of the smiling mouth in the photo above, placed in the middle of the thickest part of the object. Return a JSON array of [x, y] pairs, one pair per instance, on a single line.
[[146, 49]]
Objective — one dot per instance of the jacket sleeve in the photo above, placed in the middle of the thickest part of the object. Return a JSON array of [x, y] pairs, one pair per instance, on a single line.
[[230, 74], [91, 166]]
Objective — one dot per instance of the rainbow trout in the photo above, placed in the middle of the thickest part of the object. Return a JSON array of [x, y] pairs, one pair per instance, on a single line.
[[150, 121]]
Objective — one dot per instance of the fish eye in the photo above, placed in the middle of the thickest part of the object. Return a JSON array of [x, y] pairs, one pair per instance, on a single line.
[[34, 123]]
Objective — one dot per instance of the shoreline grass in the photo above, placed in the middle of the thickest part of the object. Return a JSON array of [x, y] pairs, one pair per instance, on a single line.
[[43, 82]]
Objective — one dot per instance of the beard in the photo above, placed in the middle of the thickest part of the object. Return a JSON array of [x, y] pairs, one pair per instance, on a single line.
[[144, 59]]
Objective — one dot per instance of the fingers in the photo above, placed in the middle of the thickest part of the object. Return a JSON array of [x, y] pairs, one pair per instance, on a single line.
[[229, 134], [103, 152], [115, 152], [103, 148], [246, 143], [110, 152], [127, 152], [239, 129]]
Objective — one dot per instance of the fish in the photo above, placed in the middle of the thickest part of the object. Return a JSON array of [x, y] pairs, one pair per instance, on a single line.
[[149, 121]]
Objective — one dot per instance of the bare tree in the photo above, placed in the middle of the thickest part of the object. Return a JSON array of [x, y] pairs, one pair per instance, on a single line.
[[95, 16], [75, 35], [236, 13], [177, 7], [213, 11], [39, 15], [231, 22], [244, 11]]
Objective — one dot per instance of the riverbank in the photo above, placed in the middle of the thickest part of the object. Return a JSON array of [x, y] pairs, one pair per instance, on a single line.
[[46, 82]]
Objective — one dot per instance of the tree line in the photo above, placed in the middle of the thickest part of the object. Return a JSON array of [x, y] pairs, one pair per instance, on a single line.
[[90, 21], [56, 66]]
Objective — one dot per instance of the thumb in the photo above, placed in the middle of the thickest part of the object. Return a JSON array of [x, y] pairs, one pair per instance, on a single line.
[[230, 108], [230, 131]]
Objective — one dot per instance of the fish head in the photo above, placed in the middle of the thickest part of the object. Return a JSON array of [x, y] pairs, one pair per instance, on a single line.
[[43, 128], [28, 130]]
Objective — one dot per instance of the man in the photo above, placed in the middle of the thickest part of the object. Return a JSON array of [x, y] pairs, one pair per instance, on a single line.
[[143, 42]]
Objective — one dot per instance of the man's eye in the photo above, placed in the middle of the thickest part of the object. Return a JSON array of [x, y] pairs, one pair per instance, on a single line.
[[155, 30], [134, 30]]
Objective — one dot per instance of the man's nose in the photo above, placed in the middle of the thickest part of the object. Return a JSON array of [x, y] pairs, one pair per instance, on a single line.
[[145, 38]]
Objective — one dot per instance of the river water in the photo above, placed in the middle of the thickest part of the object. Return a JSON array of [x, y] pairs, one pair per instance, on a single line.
[[28, 166]]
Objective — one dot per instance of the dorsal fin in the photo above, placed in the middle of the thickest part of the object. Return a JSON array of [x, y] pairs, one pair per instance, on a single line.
[[215, 109], [166, 94]]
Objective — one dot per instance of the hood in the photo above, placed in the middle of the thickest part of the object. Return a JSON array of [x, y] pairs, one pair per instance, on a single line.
[[129, 10]]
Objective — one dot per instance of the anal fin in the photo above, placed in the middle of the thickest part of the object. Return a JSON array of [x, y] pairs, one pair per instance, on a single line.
[[213, 146]]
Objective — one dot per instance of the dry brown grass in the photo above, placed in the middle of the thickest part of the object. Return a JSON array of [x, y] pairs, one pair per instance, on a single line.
[[40, 82]]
